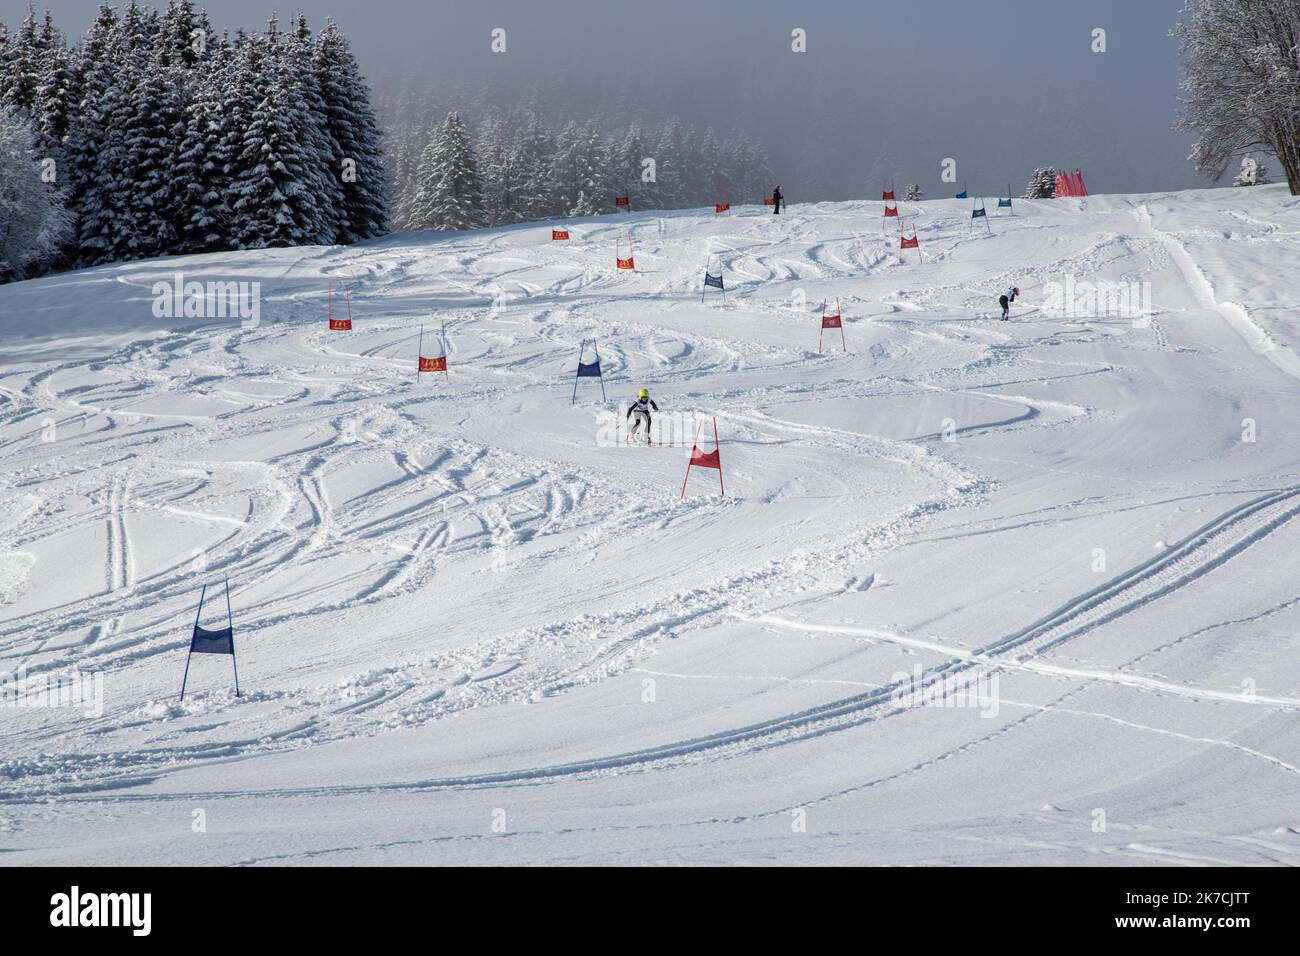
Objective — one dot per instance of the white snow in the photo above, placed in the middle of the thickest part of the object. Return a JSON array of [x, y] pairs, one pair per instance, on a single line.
[[470, 631]]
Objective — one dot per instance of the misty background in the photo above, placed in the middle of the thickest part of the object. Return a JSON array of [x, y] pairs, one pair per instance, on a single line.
[[884, 89]]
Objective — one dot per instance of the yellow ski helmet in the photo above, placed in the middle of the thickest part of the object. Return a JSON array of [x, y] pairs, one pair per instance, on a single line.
[[644, 393]]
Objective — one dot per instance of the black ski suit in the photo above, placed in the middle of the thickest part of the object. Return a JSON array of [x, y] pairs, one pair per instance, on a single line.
[[1005, 300], [776, 201], [641, 409]]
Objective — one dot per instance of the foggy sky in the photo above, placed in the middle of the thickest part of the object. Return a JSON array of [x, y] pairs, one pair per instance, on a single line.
[[1001, 86]]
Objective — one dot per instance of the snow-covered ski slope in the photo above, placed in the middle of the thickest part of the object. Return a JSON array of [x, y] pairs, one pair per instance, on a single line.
[[471, 630]]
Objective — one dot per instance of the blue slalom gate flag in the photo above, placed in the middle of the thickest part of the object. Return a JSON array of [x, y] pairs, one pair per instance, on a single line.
[[588, 370], [962, 195], [712, 281], [976, 213], [212, 641], [1004, 203]]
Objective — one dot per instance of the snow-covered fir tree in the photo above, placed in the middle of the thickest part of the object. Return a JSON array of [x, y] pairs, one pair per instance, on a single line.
[[626, 155], [672, 191], [1042, 184], [154, 126], [356, 158], [533, 149], [167, 139], [56, 93], [170, 139], [34, 222], [102, 205], [530, 170], [498, 167], [96, 66], [449, 195], [21, 75], [185, 37], [278, 172], [205, 160], [579, 168]]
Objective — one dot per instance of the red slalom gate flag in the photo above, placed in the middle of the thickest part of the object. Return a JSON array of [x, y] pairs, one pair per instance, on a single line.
[[705, 459], [435, 363], [888, 194], [912, 243], [337, 325], [835, 321], [559, 234], [623, 201], [619, 261], [891, 211], [769, 202], [719, 207]]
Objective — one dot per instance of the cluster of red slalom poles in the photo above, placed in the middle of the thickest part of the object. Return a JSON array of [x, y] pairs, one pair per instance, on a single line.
[[891, 212]]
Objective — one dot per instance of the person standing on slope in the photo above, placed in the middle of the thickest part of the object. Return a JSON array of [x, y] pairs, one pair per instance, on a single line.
[[776, 201], [1005, 301], [639, 411]]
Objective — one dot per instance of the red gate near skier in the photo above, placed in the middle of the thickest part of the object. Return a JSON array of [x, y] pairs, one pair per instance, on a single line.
[[619, 261], [835, 321], [337, 325], [559, 235], [705, 459], [436, 363]]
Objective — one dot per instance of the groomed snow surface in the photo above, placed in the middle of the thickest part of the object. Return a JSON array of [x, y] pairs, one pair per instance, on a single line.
[[473, 629]]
